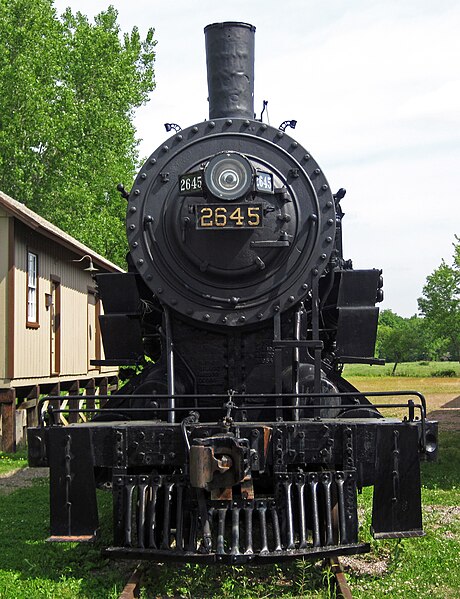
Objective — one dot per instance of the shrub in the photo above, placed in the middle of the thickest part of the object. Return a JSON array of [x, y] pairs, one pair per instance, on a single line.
[[447, 372]]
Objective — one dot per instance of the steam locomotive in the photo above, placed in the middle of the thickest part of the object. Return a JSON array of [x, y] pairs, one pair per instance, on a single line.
[[240, 441]]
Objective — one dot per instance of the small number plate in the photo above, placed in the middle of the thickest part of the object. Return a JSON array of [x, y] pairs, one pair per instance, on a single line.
[[229, 216], [264, 182], [191, 184]]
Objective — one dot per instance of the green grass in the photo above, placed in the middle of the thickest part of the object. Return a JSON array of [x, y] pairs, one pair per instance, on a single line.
[[11, 461], [31, 568], [405, 369]]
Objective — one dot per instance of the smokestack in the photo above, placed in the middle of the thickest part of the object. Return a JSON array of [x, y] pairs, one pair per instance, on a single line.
[[230, 66]]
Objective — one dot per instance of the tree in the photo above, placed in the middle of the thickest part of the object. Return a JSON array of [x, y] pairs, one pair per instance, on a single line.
[[440, 303], [69, 90], [401, 339]]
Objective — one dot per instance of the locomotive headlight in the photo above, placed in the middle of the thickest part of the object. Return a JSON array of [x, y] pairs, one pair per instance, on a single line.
[[228, 176]]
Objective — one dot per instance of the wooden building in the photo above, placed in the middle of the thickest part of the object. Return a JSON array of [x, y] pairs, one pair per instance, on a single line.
[[49, 308]]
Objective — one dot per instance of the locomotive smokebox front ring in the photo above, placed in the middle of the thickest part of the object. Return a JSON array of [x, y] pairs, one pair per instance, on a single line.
[[230, 221], [228, 176]]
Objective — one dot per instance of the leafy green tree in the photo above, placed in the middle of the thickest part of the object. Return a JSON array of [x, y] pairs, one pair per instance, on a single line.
[[69, 91], [401, 339], [440, 303]]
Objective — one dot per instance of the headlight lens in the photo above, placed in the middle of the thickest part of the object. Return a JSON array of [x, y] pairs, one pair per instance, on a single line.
[[228, 176]]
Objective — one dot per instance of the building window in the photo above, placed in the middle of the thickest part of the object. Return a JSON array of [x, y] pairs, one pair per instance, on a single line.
[[32, 289]]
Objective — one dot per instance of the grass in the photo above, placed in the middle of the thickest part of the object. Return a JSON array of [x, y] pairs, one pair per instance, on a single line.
[[12, 461], [31, 568], [405, 369], [426, 567]]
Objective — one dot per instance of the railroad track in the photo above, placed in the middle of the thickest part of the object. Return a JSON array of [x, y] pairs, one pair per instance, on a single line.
[[133, 586], [342, 590]]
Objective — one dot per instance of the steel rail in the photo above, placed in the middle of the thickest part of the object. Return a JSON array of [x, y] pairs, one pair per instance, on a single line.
[[343, 590], [133, 586]]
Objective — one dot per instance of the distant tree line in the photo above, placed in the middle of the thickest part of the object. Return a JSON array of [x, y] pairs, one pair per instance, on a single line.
[[435, 333]]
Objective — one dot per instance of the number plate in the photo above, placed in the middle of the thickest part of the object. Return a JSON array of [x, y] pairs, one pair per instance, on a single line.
[[191, 184], [264, 182], [229, 216]]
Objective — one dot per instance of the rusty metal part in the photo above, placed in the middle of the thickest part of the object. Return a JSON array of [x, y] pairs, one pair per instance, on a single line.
[[218, 462], [247, 488], [203, 465], [133, 586], [72, 539], [225, 494], [343, 591]]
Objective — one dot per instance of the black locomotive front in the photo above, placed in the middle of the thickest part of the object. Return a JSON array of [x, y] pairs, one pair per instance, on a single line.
[[240, 440]]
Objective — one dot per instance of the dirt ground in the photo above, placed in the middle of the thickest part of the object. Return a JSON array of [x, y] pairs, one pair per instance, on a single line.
[[445, 410], [20, 478], [442, 396]]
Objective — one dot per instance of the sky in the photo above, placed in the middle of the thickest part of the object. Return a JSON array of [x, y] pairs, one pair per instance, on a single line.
[[375, 88]]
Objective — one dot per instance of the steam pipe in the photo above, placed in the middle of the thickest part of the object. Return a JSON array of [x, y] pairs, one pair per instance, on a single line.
[[230, 67]]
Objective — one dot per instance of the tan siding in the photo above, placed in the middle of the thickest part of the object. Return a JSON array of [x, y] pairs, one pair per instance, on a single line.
[[3, 292], [32, 346]]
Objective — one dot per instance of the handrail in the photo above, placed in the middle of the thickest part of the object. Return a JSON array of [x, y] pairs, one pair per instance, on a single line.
[[410, 405]]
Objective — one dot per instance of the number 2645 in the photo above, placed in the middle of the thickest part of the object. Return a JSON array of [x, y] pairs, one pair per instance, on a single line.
[[221, 216]]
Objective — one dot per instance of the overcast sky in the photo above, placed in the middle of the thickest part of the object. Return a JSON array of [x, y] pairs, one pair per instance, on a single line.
[[375, 88]]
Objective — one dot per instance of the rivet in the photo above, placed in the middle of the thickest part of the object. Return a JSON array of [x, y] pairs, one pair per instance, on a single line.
[[279, 134], [211, 124], [144, 176], [305, 286], [179, 137], [329, 204], [291, 298], [153, 160], [324, 187], [140, 262], [328, 239], [314, 217], [229, 122], [306, 157], [195, 129], [276, 308], [133, 209], [206, 317], [323, 256], [132, 227], [134, 245], [165, 148], [294, 144], [224, 319], [149, 277], [330, 221], [315, 271], [234, 300], [137, 192], [260, 315], [246, 123], [160, 290], [148, 218], [242, 318]]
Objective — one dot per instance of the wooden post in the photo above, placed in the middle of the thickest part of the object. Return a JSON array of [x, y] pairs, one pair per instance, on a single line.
[[103, 389], [32, 411], [90, 390], [8, 415], [55, 391], [74, 403]]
